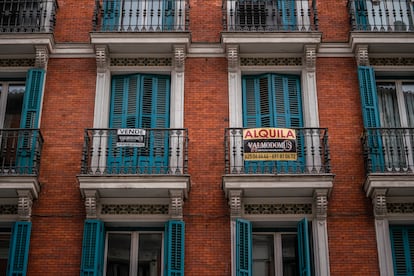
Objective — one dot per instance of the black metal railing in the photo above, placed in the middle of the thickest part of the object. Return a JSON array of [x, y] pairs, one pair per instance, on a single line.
[[313, 155], [27, 16], [20, 151], [381, 15], [388, 150], [270, 15], [141, 16], [154, 151]]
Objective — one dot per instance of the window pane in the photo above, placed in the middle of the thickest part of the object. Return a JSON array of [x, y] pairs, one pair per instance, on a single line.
[[263, 255], [14, 106], [289, 255], [118, 260], [4, 252], [387, 102], [408, 91], [149, 254]]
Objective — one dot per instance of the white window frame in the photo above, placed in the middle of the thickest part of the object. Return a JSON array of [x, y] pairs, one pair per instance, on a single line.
[[134, 249], [4, 87]]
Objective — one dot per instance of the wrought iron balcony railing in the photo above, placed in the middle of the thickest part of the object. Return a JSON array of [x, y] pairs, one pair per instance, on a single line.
[[313, 155], [20, 151], [141, 16], [381, 15], [27, 16], [388, 150], [270, 15], [153, 151]]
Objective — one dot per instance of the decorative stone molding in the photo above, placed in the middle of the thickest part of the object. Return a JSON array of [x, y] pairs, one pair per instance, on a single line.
[[176, 204], [320, 199], [134, 209], [255, 61], [362, 55], [15, 62], [179, 58], [102, 58], [379, 202], [42, 57], [400, 208], [235, 203], [310, 57], [277, 209], [141, 61], [233, 58], [91, 200], [392, 61], [8, 209], [24, 205]]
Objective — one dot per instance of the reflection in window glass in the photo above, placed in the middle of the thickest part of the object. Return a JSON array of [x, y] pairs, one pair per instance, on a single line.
[[149, 256], [4, 252], [118, 256]]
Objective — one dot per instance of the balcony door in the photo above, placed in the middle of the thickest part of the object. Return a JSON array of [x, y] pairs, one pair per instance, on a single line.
[[140, 102], [273, 100]]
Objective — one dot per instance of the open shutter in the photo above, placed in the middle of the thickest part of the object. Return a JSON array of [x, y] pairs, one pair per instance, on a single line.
[[111, 14], [93, 248], [402, 245], [19, 248], [168, 17], [243, 248], [303, 248], [256, 101], [361, 15], [371, 117], [27, 146], [174, 248], [288, 12]]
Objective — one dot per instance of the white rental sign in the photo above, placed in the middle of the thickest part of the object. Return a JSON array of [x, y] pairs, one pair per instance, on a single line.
[[131, 137]]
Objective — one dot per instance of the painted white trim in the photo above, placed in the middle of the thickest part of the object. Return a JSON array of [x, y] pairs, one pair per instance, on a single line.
[[382, 230]]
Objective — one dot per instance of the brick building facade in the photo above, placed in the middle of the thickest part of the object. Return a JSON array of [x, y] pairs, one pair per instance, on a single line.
[[124, 148]]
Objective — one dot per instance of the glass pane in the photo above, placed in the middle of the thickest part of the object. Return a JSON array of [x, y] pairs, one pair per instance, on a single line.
[[408, 91], [149, 254], [289, 255], [4, 251], [388, 106], [118, 256], [263, 255], [14, 106]]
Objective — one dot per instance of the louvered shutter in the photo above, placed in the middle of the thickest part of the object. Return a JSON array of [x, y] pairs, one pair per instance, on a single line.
[[174, 248], [19, 249], [27, 146], [287, 11], [371, 117], [111, 15], [402, 245], [361, 12], [168, 15], [303, 248], [93, 248], [243, 248]]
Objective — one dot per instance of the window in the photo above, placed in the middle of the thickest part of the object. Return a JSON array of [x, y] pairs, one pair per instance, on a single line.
[[282, 252], [140, 101], [388, 110], [402, 245], [273, 100], [135, 253], [133, 15], [4, 251]]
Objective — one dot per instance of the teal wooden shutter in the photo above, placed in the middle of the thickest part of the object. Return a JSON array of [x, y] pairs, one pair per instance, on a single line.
[[27, 146], [361, 15], [111, 14], [371, 117], [402, 245], [243, 248], [93, 246], [287, 11], [174, 248], [19, 248], [303, 248], [168, 15]]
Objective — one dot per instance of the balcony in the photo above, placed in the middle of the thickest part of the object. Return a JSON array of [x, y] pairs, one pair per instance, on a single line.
[[300, 177], [389, 160], [138, 26], [146, 165], [24, 23], [20, 160], [383, 25], [269, 26]]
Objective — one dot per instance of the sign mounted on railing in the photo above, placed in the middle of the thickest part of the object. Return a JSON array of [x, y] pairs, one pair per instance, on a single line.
[[269, 144], [130, 137]]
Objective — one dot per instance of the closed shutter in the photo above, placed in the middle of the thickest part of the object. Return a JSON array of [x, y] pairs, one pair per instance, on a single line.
[[19, 249], [287, 11], [361, 13], [370, 115], [27, 146], [303, 248], [174, 248], [402, 245], [140, 101], [168, 15], [93, 248], [273, 100], [111, 15], [243, 248]]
